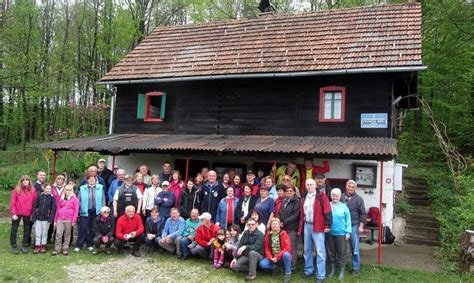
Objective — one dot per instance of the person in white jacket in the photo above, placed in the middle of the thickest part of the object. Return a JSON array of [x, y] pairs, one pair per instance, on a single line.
[[150, 194]]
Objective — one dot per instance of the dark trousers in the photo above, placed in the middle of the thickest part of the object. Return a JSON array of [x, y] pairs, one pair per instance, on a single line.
[[336, 247], [294, 248], [98, 242], [26, 230], [138, 240], [86, 229]]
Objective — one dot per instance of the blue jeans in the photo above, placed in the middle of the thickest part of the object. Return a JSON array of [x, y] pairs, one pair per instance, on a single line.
[[355, 247], [314, 240], [184, 246], [268, 264]]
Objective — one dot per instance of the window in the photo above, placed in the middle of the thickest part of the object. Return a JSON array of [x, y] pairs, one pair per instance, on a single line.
[[151, 106], [332, 104]]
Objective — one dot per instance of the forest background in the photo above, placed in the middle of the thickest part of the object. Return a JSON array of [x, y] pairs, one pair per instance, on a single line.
[[53, 52]]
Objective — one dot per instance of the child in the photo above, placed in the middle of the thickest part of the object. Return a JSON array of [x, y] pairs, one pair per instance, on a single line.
[[21, 208], [219, 249], [66, 217], [232, 242], [43, 215]]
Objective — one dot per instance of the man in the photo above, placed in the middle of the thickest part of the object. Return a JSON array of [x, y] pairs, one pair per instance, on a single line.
[[250, 251], [166, 173], [174, 227], [315, 220], [189, 234], [321, 184], [92, 171], [205, 236], [154, 225], [40, 181], [251, 180], [120, 174], [211, 194], [129, 228], [204, 173], [92, 198], [127, 194], [358, 219], [309, 171], [104, 172], [291, 170], [287, 183]]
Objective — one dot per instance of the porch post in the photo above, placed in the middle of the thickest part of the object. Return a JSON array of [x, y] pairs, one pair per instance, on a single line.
[[274, 173], [186, 175], [55, 157], [113, 162], [379, 253]]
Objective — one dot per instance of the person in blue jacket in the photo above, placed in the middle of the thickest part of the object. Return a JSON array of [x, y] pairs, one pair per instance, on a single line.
[[154, 225], [226, 211], [339, 233], [165, 200]]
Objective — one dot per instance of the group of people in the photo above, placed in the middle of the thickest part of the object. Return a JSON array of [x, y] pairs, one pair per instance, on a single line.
[[243, 224]]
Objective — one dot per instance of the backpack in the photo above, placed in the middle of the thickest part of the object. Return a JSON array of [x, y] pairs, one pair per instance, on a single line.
[[374, 215], [387, 236]]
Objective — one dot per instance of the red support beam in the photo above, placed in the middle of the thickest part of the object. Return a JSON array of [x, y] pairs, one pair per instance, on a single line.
[[55, 157], [113, 162], [379, 253]]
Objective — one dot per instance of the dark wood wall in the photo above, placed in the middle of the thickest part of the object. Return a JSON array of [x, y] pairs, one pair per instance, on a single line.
[[268, 106]]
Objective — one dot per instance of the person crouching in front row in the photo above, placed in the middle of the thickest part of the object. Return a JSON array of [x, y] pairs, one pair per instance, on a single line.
[[129, 229], [104, 227]]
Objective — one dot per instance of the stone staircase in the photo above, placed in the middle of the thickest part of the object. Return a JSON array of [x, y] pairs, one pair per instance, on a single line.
[[422, 228]]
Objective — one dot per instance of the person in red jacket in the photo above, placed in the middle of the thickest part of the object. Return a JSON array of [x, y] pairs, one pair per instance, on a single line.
[[129, 228], [205, 236], [277, 248], [309, 172], [21, 208], [315, 220]]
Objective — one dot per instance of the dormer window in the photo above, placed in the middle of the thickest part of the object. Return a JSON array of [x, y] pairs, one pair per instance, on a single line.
[[332, 104], [151, 106]]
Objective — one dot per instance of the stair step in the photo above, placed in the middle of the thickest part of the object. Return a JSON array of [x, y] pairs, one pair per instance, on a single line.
[[417, 196], [419, 202], [422, 229], [414, 180], [415, 188], [421, 211], [422, 235], [420, 241], [422, 222]]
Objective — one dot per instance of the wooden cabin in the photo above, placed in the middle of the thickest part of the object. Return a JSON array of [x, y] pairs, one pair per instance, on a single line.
[[252, 92]]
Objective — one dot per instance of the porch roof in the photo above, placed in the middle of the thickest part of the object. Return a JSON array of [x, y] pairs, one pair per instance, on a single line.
[[118, 144]]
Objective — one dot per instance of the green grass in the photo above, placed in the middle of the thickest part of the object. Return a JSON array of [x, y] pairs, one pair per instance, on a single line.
[[4, 203], [83, 266]]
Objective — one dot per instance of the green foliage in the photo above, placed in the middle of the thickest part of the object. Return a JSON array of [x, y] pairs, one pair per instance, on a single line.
[[403, 207]]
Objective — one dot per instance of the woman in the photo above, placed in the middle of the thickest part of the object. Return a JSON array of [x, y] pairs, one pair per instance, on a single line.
[[58, 187], [226, 181], [265, 205], [146, 174], [187, 199], [226, 210], [21, 208], [150, 194], [67, 212], [198, 181], [339, 233], [104, 229], [277, 248], [237, 185], [289, 215], [280, 191], [245, 205], [176, 186], [138, 182]]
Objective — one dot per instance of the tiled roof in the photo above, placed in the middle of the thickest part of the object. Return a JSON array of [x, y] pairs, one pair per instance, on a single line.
[[367, 37], [125, 143]]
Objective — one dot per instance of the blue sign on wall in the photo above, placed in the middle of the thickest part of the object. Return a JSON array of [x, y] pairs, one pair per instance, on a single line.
[[373, 120]]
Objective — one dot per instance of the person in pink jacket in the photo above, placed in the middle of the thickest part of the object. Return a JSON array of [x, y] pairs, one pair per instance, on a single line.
[[21, 208], [67, 212]]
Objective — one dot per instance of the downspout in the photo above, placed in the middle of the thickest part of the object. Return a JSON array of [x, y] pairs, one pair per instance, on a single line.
[[379, 252], [113, 96]]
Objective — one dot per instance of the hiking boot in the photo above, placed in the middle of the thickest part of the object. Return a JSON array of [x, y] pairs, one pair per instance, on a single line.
[[24, 250], [355, 272], [15, 250], [287, 278], [306, 276], [36, 250], [333, 270], [250, 277], [65, 253], [42, 249], [54, 253]]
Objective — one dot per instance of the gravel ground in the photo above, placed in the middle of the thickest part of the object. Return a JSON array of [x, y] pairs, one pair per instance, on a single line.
[[145, 269]]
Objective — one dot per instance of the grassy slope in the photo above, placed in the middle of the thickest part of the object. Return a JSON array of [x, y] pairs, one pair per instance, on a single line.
[[44, 268]]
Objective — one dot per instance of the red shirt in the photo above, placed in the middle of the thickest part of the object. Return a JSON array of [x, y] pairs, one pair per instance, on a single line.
[[230, 210], [127, 225], [204, 234]]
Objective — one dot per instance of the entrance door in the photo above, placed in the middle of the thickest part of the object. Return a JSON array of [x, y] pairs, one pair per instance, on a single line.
[[195, 166]]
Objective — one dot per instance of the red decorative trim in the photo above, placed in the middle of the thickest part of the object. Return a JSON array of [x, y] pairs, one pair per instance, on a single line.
[[325, 89], [147, 106]]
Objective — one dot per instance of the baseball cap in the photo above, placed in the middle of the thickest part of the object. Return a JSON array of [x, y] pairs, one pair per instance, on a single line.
[[165, 183], [250, 172], [205, 215], [101, 160]]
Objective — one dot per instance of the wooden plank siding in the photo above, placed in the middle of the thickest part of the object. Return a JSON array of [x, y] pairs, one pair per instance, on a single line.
[[265, 106]]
